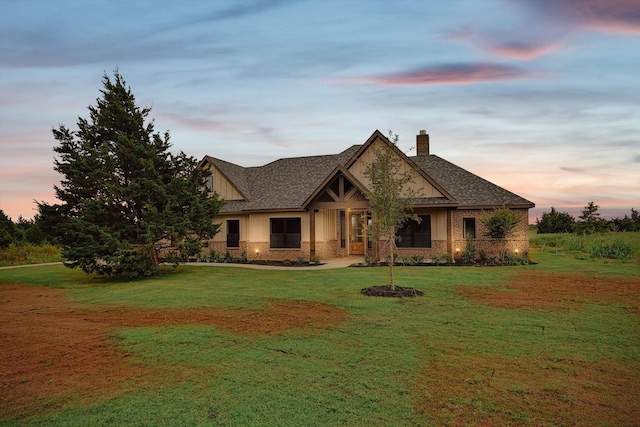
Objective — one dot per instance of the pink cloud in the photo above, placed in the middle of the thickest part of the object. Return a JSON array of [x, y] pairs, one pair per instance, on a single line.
[[454, 74], [523, 50], [615, 16], [548, 23]]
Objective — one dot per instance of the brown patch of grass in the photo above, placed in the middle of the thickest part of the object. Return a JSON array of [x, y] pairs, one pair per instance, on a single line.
[[54, 349], [553, 291], [458, 389]]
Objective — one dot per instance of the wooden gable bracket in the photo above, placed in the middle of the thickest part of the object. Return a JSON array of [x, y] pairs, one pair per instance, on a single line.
[[343, 199]]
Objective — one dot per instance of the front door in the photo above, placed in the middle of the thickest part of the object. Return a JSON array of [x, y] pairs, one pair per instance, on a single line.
[[356, 233]]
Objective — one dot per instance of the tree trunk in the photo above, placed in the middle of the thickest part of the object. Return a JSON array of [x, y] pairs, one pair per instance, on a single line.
[[391, 264]]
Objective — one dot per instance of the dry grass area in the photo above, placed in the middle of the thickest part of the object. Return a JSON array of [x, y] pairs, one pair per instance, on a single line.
[[461, 388], [465, 390], [557, 291], [52, 347]]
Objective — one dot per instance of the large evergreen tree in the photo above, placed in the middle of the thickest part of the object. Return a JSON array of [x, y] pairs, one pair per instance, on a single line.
[[123, 191], [9, 232]]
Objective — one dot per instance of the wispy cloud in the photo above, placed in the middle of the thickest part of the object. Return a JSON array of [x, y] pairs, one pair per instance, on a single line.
[[523, 50], [537, 28], [170, 34], [450, 74], [614, 16], [241, 10], [510, 42], [575, 170]]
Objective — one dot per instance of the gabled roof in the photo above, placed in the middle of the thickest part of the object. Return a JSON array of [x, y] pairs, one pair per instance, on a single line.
[[289, 184], [284, 184], [378, 135], [339, 170], [233, 173]]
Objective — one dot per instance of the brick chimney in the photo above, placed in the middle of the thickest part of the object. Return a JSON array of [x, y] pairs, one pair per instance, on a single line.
[[422, 143]]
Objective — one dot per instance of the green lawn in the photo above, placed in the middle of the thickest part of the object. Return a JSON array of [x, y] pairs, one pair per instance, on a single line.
[[441, 359]]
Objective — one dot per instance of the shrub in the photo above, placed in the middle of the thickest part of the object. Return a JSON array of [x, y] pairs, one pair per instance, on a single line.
[[616, 250], [417, 259], [621, 246], [555, 222], [442, 259], [469, 254], [27, 253]]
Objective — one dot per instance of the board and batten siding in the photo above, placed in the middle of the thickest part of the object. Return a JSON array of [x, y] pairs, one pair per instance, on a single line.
[[257, 227], [420, 186], [222, 186], [221, 235], [326, 228], [438, 222]]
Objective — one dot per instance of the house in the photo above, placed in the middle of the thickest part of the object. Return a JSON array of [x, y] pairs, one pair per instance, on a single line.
[[316, 207]]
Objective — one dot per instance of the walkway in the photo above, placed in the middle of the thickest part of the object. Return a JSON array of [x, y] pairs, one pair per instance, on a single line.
[[327, 265]]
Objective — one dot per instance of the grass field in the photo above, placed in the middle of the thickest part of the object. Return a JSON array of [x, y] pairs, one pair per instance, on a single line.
[[555, 343]]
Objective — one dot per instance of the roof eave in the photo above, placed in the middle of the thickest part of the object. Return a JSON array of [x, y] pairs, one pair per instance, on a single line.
[[499, 205]]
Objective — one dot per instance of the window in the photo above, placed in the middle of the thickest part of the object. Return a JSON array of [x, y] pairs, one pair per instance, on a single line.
[[376, 178], [469, 227], [233, 233], [209, 183], [285, 233], [415, 234]]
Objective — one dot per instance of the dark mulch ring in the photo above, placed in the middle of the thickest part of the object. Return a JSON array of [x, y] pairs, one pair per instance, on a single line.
[[385, 291]]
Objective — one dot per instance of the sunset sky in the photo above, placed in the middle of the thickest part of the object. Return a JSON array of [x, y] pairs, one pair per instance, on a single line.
[[541, 97]]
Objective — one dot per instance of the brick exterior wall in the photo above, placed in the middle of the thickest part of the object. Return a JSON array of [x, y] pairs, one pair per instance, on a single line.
[[519, 241], [221, 248], [331, 249], [438, 248], [260, 251]]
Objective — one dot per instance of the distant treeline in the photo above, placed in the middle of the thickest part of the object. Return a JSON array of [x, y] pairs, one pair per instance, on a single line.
[[23, 231], [589, 222]]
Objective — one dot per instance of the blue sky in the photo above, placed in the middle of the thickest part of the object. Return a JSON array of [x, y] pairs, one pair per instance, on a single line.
[[541, 97]]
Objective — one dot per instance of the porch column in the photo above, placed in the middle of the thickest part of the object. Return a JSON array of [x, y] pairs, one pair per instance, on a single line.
[[450, 232], [312, 234]]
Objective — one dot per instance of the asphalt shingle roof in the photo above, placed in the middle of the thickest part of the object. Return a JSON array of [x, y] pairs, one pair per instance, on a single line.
[[468, 189], [285, 184]]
